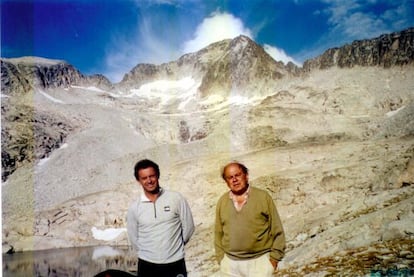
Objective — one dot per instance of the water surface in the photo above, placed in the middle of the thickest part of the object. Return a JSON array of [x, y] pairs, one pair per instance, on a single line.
[[71, 262]]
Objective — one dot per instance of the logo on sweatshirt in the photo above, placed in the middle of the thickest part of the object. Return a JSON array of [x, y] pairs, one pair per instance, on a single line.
[[167, 209]]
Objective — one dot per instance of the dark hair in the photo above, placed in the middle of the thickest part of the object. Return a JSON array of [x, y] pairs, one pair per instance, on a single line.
[[145, 163], [242, 167]]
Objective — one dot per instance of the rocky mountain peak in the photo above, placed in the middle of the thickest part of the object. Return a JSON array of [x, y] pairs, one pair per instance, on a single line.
[[227, 65], [242, 47], [386, 50], [243, 66]]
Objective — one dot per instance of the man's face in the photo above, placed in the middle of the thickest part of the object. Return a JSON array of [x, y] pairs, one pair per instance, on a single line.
[[147, 177], [236, 180]]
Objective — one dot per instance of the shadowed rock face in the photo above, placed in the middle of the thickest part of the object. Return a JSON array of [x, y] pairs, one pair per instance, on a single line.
[[37, 72], [29, 135], [333, 146]]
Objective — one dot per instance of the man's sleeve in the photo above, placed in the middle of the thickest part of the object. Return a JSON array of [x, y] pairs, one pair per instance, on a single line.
[[132, 226], [218, 235], [187, 221], [279, 242]]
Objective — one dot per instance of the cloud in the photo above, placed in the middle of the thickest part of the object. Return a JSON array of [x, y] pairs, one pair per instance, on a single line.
[[146, 45], [218, 26], [351, 22], [359, 25], [117, 63], [279, 54], [355, 19]]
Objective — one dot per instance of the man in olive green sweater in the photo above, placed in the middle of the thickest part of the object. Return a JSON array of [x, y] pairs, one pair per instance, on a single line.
[[249, 237]]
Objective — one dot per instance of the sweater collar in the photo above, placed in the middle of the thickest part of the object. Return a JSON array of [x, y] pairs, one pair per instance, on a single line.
[[144, 198], [239, 200]]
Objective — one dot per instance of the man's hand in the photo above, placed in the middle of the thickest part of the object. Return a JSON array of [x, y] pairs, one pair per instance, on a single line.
[[274, 263]]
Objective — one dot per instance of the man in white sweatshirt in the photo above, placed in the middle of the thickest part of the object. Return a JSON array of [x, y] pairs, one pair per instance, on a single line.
[[159, 224]]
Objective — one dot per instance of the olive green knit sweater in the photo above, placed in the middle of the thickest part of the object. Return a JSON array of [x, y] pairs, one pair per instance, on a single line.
[[251, 232]]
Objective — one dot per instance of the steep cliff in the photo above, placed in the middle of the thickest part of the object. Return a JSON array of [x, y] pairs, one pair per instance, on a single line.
[[386, 50]]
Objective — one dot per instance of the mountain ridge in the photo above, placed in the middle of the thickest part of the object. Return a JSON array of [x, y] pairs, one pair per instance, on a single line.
[[20, 73], [387, 50]]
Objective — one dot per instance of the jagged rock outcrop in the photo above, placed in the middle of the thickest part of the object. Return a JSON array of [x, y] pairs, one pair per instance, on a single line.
[[386, 50], [28, 135], [142, 73], [99, 81], [21, 74], [12, 81]]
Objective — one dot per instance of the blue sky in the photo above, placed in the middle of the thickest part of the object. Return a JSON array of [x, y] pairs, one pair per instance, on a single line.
[[110, 37]]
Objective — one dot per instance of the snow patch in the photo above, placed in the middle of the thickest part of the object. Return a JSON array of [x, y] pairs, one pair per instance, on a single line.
[[45, 160], [166, 91], [302, 237], [51, 98], [63, 146], [107, 234], [91, 88], [392, 113], [239, 100]]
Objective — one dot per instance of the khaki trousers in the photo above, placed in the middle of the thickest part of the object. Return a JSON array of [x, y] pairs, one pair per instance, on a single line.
[[258, 267]]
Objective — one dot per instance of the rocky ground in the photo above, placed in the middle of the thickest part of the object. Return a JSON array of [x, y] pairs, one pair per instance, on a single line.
[[335, 149], [390, 258]]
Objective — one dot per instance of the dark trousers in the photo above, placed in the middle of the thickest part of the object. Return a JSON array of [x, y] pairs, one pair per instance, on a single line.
[[175, 269]]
